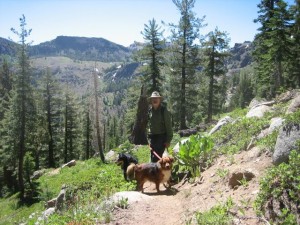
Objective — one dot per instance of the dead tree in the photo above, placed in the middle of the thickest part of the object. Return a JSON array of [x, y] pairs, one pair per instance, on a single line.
[[138, 135]]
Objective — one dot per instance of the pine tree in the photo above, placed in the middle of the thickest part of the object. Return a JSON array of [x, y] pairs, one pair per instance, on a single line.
[[294, 67], [51, 105], [272, 46], [152, 55], [71, 126], [97, 117], [215, 54], [183, 60], [16, 125]]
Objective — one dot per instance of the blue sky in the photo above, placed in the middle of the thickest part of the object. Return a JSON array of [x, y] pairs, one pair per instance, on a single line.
[[121, 21]]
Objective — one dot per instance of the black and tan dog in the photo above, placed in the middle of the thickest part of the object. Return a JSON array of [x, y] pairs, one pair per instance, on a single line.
[[159, 172], [124, 160]]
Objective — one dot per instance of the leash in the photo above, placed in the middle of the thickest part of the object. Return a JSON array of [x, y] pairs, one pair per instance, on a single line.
[[154, 152]]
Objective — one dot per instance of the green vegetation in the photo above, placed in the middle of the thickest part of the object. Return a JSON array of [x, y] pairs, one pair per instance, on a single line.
[[87, 189], [219, 214], [234, 137], [196, 153], [279, 192]]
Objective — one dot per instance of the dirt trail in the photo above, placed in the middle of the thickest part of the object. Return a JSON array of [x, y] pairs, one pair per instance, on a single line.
[[178, 205]]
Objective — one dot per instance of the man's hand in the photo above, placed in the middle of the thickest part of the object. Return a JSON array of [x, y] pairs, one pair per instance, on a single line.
[[167, 145]]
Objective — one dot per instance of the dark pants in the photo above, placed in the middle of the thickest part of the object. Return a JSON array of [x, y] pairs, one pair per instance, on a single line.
[[157, 143]]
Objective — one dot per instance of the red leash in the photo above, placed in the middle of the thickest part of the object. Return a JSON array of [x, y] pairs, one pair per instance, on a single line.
[[154, 152]]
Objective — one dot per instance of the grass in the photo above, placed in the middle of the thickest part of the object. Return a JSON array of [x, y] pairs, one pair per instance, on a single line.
[[219, 214], [89, 184]]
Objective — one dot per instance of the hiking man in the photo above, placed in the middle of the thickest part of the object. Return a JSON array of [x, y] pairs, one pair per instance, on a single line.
[[160, 126]]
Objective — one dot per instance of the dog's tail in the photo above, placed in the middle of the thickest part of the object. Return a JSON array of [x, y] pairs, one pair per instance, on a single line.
[[130, 171]]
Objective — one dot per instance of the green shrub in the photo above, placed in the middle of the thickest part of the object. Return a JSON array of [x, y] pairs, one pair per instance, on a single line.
[[279, 196], [234, 137], [195, 153], [217, 215]]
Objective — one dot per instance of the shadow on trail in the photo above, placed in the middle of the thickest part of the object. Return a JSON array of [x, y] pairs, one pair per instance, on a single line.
[[168, 192]]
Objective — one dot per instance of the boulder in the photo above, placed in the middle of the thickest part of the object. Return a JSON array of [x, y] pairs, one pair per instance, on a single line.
[[258, 111], [287, 96], [221, 122], [285, 143], [130, 197], [176, 147], [37, 174], [69, 164], [275, 123], [47, 213], [60, 199], [254, 102], [294, 105], [111, 155], [235, 178]]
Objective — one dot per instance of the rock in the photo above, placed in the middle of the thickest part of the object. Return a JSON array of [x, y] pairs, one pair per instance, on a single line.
[[236, 177], [275, 123], [69, 164], [37, 174], [286, 141], [47, 213], [287, 96], [294, 106], [222, 122], [130, 196], [176, 147], [111, 156], [254, 102], [60, 198], [187, 132], [51, 203], [258, 111]]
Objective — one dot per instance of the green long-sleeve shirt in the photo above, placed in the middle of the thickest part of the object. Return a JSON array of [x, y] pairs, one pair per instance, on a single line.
[[160, 122]]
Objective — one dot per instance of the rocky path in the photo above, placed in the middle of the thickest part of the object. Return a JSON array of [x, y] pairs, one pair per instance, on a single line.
[[178, 205]]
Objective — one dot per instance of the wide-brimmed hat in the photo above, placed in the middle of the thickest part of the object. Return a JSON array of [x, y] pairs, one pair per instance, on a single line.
[[155, 94]]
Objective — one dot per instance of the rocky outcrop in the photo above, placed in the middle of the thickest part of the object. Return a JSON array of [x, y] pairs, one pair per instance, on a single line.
[[275, 123], [37, 174], [221, 122], [258, 111], [285, 143], [287, 96], [69, 164], [294, 105]]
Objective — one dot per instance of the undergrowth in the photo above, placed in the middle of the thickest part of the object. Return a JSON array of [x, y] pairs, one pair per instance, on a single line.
[[219, 214], [279, 196], [236, 136]]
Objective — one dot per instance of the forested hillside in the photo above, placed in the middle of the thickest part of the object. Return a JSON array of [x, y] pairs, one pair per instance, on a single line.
[[76, 98]]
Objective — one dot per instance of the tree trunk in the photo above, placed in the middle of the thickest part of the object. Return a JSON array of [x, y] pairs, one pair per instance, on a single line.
[[98, 132], [183, 84], [50, 143], [138, 135], [211, 88], [66, 133], [87, 151], [22, 148]]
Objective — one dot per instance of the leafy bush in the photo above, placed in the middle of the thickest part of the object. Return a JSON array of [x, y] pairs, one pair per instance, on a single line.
[[279, 196], [195, 153], [219, 214]]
